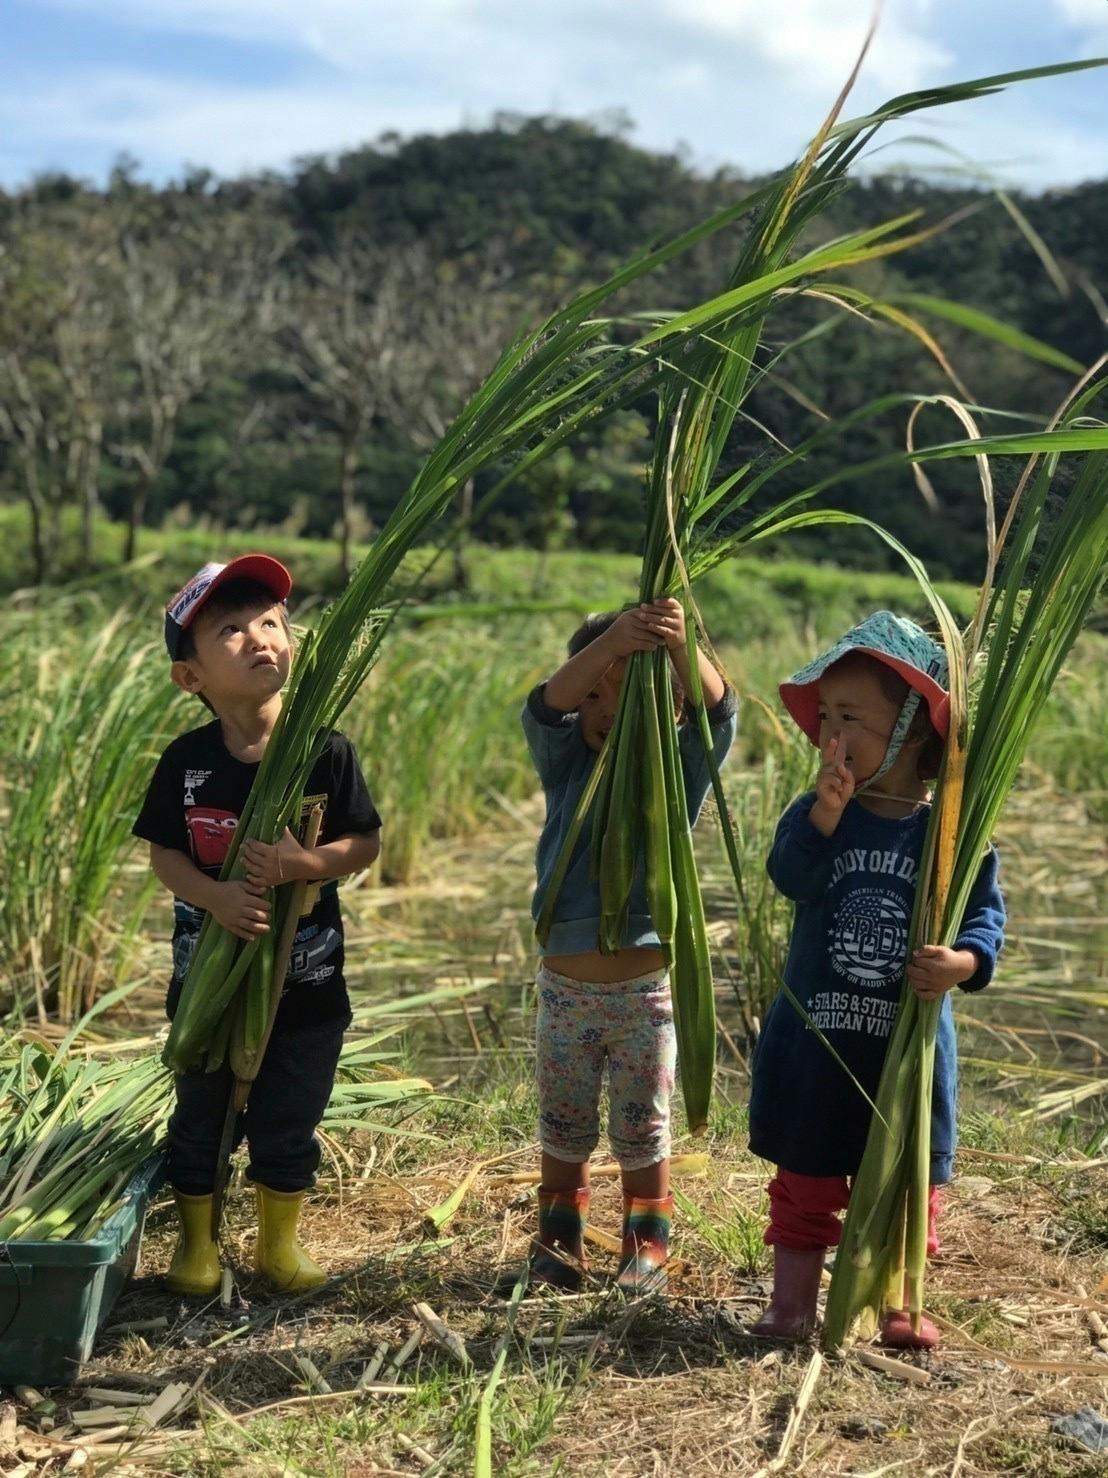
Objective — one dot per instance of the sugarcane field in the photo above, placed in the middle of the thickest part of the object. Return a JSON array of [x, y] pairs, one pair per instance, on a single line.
[[554, 732]]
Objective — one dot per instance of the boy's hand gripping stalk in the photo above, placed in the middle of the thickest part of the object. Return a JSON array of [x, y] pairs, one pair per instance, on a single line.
[[240, 1093]]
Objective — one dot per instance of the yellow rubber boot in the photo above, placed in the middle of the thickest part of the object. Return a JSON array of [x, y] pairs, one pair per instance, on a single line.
[[195, 1267], [278, 1255]]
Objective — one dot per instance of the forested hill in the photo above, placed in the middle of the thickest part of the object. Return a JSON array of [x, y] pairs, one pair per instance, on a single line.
[[310, 332]]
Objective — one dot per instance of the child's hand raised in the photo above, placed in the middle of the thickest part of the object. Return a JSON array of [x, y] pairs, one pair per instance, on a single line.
[[667, 618], [639, 630], [834, 787]]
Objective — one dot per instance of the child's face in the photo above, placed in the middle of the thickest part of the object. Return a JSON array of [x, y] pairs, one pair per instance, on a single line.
[[853, 705], [240, 655], [597, 710]]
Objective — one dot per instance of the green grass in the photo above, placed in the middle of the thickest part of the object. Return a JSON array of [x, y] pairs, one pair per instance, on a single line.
[[1085, 1216], [436, 726], [737, 1240], [1030, 1458], [979, 1318], [1070, 741], [84, 711], [754, 597]]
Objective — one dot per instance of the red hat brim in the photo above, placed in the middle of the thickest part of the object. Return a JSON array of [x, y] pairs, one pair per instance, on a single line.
[[802, 699]]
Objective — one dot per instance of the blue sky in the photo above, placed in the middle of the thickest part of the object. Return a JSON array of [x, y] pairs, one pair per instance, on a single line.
[[246, 84]]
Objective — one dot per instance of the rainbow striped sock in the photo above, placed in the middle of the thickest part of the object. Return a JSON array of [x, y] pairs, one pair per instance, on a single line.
[[562, 1218], [646, 1229]]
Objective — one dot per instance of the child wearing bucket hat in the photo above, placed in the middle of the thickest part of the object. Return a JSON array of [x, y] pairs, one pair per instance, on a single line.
[[848, 854]]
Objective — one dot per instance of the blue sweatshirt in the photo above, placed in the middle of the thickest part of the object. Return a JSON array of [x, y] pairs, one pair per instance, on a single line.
[[564, 763], [854, 892]]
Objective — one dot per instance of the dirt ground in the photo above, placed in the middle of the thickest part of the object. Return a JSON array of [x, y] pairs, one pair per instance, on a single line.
[[594, 1384]]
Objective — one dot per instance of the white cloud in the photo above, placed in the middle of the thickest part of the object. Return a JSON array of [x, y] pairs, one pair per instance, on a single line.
[[820, 39], [739, 81], [1089, 18], [231, 130], [1021, 145], [1090, 13]]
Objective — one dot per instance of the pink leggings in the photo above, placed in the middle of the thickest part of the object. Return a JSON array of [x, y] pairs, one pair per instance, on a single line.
[[802, 1211]]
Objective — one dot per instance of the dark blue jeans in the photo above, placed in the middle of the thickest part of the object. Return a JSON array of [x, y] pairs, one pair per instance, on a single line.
[[280, 1120]]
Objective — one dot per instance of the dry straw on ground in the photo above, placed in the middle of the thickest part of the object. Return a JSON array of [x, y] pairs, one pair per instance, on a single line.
[[676, 1387]]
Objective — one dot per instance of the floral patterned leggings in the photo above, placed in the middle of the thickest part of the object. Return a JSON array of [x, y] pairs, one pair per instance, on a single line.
[[580, 1024]]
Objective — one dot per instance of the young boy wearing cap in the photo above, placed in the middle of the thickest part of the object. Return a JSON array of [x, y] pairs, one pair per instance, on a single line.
[[227, 632], [848, 855]]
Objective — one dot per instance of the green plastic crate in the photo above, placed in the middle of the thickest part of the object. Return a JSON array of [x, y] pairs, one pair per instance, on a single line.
[[54, 1296]]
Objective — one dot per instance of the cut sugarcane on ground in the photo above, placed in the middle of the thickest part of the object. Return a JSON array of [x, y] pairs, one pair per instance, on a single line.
[[78, 1121]]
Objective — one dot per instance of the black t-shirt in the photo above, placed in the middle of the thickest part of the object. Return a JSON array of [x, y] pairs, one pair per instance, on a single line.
[[195, 798]]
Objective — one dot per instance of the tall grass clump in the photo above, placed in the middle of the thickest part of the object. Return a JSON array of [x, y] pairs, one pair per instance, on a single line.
[[762, 916], [1069, 739], [436, 726], [85, 708]]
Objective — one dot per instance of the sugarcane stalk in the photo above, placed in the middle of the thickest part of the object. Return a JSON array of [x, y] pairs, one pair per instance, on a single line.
[[694, 1007], [619, 851], [248, 1061], [656, 841]]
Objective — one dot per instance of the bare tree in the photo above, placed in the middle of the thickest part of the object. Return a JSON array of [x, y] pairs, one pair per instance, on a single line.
[[85, 341], [343, 323], [459, 323], [58, 338], [248, 425], [192, 299]]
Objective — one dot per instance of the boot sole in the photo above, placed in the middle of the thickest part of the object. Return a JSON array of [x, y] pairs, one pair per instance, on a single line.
[[191, 1290]]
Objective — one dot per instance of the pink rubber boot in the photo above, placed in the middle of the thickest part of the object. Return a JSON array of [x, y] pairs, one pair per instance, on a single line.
[[791, 1315]]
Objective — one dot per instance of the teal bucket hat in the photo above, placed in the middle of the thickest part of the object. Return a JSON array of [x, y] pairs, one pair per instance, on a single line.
[[899, 644]]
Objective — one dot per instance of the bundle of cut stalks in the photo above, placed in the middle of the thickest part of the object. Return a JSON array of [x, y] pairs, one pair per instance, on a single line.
[[73, 1133], [1051, 563], [76, 1127]]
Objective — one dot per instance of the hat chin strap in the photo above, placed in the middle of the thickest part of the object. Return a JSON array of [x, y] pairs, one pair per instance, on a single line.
[[896, 740]]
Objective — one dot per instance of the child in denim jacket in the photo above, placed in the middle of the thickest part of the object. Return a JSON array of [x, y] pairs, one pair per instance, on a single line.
[[597, 1007]]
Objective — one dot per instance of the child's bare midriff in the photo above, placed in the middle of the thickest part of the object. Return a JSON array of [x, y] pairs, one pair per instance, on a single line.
[[601, 969]]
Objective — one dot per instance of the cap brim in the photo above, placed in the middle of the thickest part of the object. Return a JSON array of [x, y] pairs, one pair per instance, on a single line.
[[802, 699]]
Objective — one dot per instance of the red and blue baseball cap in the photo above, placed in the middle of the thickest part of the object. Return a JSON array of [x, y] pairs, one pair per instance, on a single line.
[[189, 601]]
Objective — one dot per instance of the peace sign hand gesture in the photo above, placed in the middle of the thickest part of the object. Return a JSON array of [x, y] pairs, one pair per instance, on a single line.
[[834, 787]]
